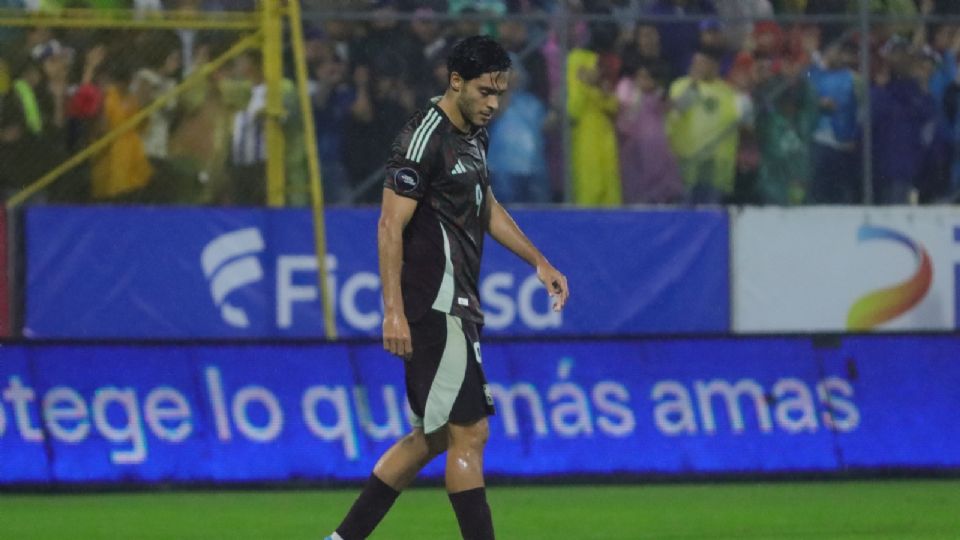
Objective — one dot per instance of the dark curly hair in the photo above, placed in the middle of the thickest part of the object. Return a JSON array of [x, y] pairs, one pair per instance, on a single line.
[[476, 55]]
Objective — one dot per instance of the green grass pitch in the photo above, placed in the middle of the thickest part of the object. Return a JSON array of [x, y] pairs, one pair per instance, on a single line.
[[793, 510]]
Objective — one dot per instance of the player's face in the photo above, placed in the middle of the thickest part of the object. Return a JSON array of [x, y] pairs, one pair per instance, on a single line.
[[479, 98]]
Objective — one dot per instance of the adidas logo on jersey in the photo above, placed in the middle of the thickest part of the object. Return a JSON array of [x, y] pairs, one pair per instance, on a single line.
[[458, 168]]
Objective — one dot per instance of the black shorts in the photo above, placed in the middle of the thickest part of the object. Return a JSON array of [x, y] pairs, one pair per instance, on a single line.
[[445, 382]]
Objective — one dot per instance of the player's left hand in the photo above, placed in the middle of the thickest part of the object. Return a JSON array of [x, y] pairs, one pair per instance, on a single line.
[[555, 282]]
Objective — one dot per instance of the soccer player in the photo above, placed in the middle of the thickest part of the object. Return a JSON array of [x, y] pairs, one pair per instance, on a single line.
[[437, 206]]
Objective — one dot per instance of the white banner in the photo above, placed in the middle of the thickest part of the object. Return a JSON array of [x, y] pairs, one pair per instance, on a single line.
[[845, 269]]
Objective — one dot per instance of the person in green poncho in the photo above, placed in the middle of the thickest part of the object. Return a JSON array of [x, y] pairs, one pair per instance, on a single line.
[[786, 115]]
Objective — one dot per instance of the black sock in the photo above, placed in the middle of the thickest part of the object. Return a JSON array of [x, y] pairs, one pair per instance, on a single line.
[[473, 514], [373, 503]]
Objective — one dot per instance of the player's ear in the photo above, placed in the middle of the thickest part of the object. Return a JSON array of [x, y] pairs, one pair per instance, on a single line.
[[456, 82]]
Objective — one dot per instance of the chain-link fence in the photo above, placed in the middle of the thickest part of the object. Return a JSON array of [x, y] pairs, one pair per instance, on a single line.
[[612, 103]]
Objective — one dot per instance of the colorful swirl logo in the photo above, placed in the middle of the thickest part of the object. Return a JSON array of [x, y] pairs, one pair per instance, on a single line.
[[888, 303]]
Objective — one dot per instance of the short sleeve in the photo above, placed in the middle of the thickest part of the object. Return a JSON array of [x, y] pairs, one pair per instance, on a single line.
[[411, 157], [405, 177]]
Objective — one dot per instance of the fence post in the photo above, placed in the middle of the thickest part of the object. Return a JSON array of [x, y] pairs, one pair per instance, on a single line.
[[273, 78], [865, 106], [313, 162]]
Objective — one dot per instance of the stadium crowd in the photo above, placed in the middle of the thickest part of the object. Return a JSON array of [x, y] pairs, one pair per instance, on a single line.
[[719, 104]]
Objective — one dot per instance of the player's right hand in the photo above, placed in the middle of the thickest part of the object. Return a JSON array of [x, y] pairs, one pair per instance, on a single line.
[[396, 335]]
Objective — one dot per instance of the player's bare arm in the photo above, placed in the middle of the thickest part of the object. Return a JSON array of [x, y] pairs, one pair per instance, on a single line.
[[505, 230], [395, 213]]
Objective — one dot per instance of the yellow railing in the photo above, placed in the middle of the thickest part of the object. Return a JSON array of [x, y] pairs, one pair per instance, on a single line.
[[128, 19], [266, 27], [132, 123]]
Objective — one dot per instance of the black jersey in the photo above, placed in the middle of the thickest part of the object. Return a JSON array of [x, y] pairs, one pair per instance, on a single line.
[[446, 171]]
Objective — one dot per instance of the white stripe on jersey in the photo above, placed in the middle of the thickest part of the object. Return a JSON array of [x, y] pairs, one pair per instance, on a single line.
[[444, 300], [418, 133], [425, 138]]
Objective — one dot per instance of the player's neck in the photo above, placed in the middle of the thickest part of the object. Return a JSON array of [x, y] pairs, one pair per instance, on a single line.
[[448, 104]]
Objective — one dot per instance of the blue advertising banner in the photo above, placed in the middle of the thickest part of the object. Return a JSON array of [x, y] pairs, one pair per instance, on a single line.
[[222, 413], [186, 273]]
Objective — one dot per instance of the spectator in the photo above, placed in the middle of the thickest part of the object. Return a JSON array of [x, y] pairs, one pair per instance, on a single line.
[[703, 129], [249, 149], [22, 133], [712, 37], [57, 62], [935, 184], [904, 126], [342, 35], [200, 143], [944, 41], [680, 39], [430, 42], [163, 60], [332, 98], [30, 122], [786, 113], [648, 168], [836, 162], [84, 105], [517, 155], [768, 40], [648, 43], [382, 105], [120, 172], [386, 36], [592, 107], [644, 49], [742, 78], [514, 35]]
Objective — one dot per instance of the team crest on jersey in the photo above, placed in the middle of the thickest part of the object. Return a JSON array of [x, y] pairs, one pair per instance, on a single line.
[[406, 179]]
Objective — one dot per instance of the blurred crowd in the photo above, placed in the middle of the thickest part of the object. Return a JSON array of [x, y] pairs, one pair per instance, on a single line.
[[654, 102]]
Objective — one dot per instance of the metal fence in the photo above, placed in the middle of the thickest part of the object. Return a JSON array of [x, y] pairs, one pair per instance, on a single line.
[[800, 124], [607, 108]]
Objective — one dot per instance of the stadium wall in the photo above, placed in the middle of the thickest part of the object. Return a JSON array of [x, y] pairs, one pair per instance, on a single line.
[[176, 345], [128, 413], [145, 273]]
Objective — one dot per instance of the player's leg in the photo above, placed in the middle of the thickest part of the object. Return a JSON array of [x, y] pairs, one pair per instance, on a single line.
[[464, 478], [395, 470], [399, 465], [467, 433]]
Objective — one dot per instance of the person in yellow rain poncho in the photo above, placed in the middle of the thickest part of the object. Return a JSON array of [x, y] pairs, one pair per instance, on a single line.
[[592, 107], [121, 171], [703, 130]]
